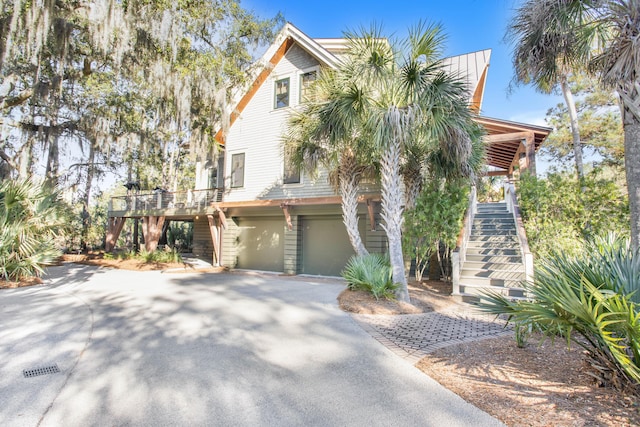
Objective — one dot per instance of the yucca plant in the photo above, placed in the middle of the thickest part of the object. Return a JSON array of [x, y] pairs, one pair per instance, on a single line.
[[371, 273], [32, 217], [586, 299]]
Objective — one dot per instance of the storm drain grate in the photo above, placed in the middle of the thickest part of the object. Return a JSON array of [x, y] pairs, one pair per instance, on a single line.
[[28, 373]]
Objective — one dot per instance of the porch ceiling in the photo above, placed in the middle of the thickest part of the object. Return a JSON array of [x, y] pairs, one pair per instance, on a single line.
[[504, 138]]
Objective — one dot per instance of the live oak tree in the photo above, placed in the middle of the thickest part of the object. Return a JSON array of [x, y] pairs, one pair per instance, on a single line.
[[121, 78]]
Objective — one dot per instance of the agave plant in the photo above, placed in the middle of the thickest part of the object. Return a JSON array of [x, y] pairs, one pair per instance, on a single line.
[[587, 300], [371, 273], [32, 217]]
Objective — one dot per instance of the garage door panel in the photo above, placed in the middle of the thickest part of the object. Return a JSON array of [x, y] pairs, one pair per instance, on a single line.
[[325, 245], [261, 244]]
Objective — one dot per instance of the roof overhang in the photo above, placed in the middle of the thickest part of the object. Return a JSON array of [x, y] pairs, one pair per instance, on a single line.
[[286, 38], [505, 140]]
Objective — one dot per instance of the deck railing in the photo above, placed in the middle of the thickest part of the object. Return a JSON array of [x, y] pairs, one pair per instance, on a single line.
[[154, 200]]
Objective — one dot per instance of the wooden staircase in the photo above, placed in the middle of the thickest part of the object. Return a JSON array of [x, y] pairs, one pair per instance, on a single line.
[[493, 260]]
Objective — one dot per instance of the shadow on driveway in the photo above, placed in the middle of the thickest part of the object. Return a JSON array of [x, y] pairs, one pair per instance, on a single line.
[[146, 348]]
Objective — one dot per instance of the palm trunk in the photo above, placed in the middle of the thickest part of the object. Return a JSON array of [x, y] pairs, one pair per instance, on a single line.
[[575, 129], [392, 204], [630, 109], [413, 186], [349, 192]]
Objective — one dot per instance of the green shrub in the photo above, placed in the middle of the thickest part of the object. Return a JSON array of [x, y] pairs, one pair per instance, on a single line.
[[159, 256], [371, 273], [434, 222], [586, 299], [558, 216], [32, 219]]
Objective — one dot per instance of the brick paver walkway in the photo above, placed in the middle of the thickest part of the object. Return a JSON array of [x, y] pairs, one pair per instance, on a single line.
[[412, 336]]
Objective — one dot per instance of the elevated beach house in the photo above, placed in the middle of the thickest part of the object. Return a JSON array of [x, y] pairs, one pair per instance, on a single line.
[[251, 211]]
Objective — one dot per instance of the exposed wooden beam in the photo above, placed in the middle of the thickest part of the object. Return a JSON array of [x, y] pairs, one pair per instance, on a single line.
[[513, 136], [497, 173], [329, 200], [215, 238], [152, 230], [114, 228]]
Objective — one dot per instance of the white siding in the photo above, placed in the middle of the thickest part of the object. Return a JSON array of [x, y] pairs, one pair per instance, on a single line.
[[258, 131]]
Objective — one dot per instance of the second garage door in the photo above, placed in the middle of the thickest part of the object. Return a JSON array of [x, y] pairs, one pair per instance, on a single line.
[[325, 245], [261, 243]]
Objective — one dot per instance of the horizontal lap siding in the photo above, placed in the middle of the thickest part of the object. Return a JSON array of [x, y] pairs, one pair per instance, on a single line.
[[258, 133]]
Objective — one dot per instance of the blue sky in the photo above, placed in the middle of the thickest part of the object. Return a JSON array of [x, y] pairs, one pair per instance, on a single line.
[[470, 25]]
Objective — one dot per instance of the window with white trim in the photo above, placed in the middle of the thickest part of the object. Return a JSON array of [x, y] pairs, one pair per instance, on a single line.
[[306, 80], [291, 173], [237, 170], [282, 93]]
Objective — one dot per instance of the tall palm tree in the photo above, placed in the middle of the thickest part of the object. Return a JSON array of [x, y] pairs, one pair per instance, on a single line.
[[415, 103], [618, 64], [547, 48], [615, 25], [328, 131], [387, 104]]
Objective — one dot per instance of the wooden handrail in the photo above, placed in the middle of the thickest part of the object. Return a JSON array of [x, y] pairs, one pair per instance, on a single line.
[[514, 208]]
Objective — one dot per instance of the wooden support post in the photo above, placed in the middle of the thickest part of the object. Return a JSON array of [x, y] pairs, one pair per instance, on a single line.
[[530, 150], [152, 230], [287, 216], [215, 238], [114, 227], [221, 217], [372, 216]]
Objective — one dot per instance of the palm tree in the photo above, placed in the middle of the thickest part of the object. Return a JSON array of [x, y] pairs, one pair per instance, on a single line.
[[379, 108], [329, 131], [615, 26], [547, 48], [415, 103], [618, 64]]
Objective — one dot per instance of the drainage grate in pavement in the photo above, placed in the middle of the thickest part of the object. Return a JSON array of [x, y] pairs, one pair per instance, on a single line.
[[28, 373]]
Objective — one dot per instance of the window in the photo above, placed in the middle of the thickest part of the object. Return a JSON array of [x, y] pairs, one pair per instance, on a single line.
[[306, 80], [215, 174], [282, 93], [291, 173], [237, 170]]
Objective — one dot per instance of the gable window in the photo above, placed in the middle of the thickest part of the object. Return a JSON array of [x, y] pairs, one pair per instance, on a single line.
[[306, 80], [237, 170], [282, 93], [291, 173]]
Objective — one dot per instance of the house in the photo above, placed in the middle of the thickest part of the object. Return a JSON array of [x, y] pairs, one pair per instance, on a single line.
[[250, 211]]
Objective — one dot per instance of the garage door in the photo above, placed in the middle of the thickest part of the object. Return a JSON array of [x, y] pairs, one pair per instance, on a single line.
[[261, 244], [325, 245]]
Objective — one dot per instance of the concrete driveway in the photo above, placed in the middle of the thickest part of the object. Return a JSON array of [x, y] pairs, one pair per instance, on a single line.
[[151, 348]]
